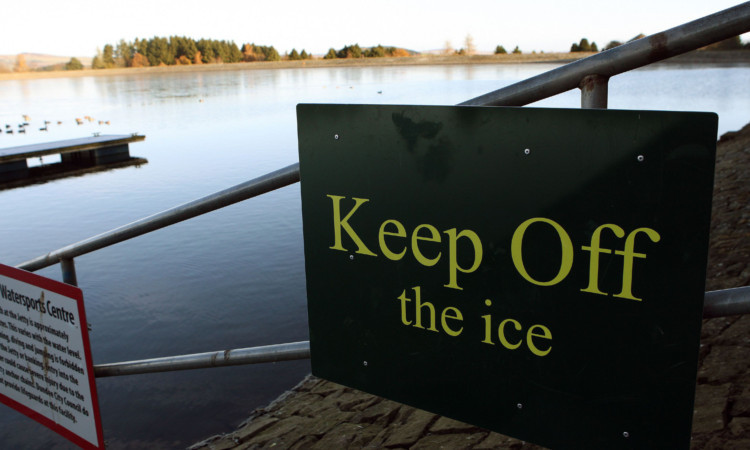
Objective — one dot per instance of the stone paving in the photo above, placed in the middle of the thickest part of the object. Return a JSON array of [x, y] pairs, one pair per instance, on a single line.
[[318, 414]]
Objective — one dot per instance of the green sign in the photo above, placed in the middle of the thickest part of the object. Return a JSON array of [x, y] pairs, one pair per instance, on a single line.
[[536, 272]]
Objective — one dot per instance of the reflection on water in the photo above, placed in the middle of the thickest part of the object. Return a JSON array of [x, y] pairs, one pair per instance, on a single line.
[[233, 278]]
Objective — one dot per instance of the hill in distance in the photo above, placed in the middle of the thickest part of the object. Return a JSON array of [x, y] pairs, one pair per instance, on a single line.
[[36, 61]]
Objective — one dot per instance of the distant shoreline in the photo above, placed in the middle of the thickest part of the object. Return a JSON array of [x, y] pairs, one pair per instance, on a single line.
[[704, 57]]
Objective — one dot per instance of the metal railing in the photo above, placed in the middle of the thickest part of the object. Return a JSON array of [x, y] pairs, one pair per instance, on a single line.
[[591, 75]]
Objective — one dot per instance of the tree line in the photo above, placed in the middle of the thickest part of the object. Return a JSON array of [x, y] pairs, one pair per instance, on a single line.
[[180, 50], [733, 43], [355, 51]]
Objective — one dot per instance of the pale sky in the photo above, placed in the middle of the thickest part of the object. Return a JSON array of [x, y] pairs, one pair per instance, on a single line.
[[79, 27]]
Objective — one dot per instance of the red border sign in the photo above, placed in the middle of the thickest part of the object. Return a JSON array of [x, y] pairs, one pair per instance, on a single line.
[[46, 369]]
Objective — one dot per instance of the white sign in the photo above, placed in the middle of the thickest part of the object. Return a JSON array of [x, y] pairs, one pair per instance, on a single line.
[[46, 370]]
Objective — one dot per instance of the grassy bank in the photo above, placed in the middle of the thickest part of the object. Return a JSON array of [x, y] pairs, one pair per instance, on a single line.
[[704, 57], [311, 63]]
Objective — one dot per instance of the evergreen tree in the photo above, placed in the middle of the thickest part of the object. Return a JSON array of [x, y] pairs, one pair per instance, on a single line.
[[108, 56], [583, 46], [233, 54], [141, 46], [158, 52], [331, 54], [97, 63], [612, 44], [272, 54], [350, 51], [517, 50], [375, 52], [74, 64], [183, 48], [500, 50], [206, 50], [124, 54], [304, 54], [294, 56]]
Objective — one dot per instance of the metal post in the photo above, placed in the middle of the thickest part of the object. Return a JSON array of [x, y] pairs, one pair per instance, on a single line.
[[69, 271], [594, 90]]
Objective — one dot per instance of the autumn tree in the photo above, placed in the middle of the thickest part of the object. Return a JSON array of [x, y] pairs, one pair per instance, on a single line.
[[469, 47], [448, 48], [21, 64], [248, 53], [139, 60], [252, 52]]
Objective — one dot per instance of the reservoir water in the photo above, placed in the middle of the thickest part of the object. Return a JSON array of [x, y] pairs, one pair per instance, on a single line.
[[232, 278]]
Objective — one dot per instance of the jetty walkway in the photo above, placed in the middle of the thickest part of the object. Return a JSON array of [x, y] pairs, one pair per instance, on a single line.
[[318, 414], [77, 156]]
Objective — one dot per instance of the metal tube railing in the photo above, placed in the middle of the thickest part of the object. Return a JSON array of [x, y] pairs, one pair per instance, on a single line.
[[591, 75], [254, 355], [716, 304], [265, 183], [727, 302]]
